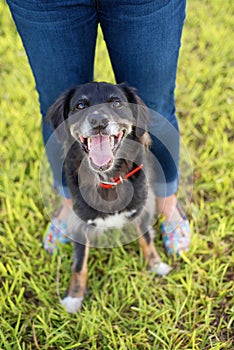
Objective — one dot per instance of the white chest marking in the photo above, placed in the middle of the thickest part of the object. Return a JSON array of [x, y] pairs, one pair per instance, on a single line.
[[116, 220]]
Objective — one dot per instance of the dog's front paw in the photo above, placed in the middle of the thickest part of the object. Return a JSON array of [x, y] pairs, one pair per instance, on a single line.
[[161, 269], [72, 305]]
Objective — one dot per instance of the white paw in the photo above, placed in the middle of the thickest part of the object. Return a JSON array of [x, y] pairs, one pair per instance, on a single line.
[[161, 269], [72, 305]]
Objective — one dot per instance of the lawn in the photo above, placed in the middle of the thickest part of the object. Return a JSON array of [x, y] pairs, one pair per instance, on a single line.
[[125, 308]]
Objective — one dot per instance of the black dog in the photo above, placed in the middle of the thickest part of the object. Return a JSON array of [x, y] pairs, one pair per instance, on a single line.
[[103, 127]]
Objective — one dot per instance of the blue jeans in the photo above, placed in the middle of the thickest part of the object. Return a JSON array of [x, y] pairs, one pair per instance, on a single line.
[[143, 41]]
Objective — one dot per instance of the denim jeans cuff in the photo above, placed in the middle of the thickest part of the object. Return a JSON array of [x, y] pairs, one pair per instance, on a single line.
[[165, 189], [63, 191]]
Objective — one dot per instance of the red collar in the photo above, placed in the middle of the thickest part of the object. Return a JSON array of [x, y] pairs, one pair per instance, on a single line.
[[119, 179]]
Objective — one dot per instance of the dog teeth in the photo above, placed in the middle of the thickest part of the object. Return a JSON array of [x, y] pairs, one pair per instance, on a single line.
[[112, 141], [89, 143]]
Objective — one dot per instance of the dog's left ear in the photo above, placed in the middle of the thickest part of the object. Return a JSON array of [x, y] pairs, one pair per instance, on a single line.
[[58, 114], [139, 109]]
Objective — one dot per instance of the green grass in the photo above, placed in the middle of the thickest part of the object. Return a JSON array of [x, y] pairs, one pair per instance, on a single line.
[[125, 308]]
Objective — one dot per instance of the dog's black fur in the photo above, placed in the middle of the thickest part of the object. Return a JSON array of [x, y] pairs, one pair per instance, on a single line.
[[103, 127]]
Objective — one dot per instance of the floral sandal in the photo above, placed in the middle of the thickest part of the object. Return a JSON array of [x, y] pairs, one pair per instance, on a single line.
[[176, 235], [55, 233]]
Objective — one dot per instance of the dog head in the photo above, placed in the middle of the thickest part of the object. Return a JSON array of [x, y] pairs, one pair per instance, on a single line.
[[99, 116]]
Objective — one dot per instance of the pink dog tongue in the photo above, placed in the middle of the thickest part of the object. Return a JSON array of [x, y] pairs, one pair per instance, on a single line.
[[100, 150]]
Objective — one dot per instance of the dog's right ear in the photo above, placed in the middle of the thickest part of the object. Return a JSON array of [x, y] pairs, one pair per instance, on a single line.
[[138, 107], [58, 114]]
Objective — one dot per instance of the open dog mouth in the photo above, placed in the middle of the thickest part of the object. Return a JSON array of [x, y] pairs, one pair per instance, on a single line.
[[101, 149]]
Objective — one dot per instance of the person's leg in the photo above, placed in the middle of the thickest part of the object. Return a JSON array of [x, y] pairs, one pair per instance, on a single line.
[[59, 38], [143, 40]]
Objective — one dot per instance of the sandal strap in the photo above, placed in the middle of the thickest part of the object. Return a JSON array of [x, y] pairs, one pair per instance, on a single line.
[[55, 232], [176, 235]]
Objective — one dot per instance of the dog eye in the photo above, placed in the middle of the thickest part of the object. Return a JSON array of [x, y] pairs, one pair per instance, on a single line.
[[80, 105], [117, 104]]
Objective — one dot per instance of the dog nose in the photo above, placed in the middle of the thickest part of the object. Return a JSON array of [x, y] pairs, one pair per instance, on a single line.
[[98, 121]]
